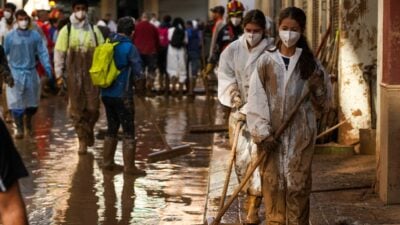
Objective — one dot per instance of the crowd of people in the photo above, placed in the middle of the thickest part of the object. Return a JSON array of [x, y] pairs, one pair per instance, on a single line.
[[259, 81]]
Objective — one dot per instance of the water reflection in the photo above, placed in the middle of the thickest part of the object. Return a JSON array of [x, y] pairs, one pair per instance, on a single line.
[[67, 189]]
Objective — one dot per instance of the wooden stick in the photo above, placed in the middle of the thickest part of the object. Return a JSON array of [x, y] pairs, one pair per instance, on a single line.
[[233, 156], [208, 128], [251, 170], [331, 129]]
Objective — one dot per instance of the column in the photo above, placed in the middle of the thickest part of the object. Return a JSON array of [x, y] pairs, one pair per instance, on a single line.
[[388, 132]]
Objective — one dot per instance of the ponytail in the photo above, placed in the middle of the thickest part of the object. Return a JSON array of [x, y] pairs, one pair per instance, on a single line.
[[307, 63]]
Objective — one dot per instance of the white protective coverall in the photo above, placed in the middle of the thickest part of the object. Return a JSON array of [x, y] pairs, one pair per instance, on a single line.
[[235, 68], [176, 59], [286, 175]]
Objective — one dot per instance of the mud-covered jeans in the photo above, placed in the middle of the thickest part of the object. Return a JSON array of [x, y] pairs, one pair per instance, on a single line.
[[120, 111], [84, 99]]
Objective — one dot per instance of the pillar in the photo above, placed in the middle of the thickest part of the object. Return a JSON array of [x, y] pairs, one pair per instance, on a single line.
[[358, 43], [388, 132], [108, 6]]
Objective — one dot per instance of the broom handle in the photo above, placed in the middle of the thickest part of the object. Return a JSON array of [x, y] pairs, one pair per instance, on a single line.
[[228, 173], [278, 133], [153, 121]]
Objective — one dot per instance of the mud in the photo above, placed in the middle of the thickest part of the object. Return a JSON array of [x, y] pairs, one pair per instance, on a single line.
[[64, 188]]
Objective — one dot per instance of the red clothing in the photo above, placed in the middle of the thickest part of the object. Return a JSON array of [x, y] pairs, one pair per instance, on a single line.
[[146, 38]]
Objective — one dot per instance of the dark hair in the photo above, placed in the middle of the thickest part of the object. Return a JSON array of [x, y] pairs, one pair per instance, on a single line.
[[21, 12], [167, 19], [307, 63], [178, 21], [80, 2], [125, 25], [255, 16], [11, 6]]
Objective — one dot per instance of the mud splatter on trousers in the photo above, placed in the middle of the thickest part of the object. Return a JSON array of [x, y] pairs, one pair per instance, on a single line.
[[84, 98]]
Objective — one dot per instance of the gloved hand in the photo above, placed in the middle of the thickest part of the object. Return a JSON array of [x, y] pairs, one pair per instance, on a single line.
[[60, 82], [236, 99], [269, 144], [316, 84], [8, 78], [209, 69]]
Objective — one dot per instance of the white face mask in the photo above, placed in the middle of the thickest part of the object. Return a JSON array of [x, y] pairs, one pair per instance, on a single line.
[[289, 38], [7, 14], [253, 38], [236, 21], [23, 24], [80, 15]]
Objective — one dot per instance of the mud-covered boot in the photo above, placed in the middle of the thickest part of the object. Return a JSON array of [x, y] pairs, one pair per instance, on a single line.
[[174, 81], [28, 125], [19, 123], [129, 153], [82, 146], [253, 204], [110, 145], [180, 90]]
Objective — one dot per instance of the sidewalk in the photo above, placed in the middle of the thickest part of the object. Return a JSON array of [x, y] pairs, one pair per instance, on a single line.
[[342, 190]]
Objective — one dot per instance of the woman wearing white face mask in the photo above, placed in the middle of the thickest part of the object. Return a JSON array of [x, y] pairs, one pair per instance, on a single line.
[[282, 76], [236, 64]]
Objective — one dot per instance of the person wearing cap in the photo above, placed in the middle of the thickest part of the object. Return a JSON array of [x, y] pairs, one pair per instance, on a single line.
[[217, 16], [232, 29], [237, 62], [74, 53]]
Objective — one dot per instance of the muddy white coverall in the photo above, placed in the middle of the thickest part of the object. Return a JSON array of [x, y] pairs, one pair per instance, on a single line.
[[286, 176], [235, 68], [176, 59], [74, 53]]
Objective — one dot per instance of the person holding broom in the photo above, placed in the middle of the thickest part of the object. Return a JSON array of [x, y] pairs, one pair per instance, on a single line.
[[236, 64], [282, 76]]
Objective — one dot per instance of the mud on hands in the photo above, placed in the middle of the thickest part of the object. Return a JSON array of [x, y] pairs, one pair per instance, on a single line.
[[317, 87]]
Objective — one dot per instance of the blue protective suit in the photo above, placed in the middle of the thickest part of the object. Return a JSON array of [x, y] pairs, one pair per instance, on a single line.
[[21, 48]]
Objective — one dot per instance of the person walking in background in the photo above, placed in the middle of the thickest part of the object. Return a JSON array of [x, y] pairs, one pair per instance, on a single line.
[[146, 39], [194, 55], [176, 57], [236, 64], [162, 54], [12, 206], [118, 99], [21, 47], [74, 53], [7, 24], [282, 76], [217, 16]]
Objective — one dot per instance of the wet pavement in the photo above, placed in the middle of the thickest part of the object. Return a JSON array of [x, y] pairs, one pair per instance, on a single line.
[[64, 188]]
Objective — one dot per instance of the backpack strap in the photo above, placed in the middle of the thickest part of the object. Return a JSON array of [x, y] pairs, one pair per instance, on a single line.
[[68, 34], [94, 34]]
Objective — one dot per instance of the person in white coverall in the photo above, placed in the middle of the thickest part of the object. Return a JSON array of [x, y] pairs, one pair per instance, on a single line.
[[236, 65], [281, 77]]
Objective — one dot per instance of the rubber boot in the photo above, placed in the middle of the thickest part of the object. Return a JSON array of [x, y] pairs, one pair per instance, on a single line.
[[180, 90], [19, 123], [28, 125], [128, 154], [166, 91], [110, 145], [253, 204], [149, 87], [82, 146], [174, 81]]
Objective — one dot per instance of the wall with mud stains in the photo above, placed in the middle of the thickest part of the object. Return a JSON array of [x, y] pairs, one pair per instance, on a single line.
[[358, 48]]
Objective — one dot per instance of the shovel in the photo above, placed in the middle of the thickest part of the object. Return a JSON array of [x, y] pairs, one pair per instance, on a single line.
[[261, 158]]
